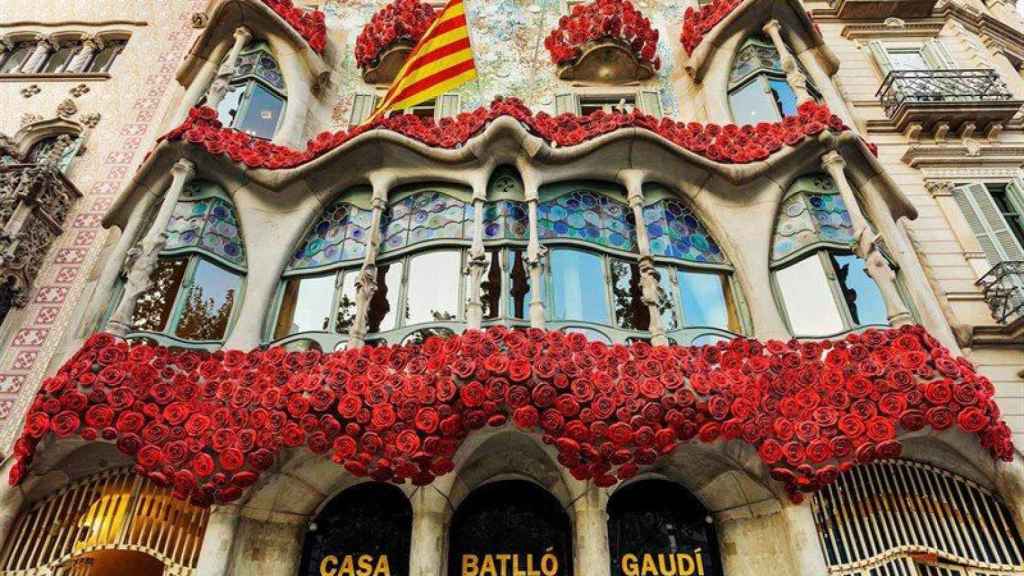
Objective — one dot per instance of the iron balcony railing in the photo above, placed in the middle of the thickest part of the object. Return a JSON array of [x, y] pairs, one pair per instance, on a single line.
[[929, 87], [1003, 289]]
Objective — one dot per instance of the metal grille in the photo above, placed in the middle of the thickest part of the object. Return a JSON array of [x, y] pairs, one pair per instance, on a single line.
[[1003, 288], [114, 510], [894, 508], [941, 87]]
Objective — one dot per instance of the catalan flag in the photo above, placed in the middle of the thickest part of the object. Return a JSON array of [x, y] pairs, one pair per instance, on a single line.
[[440, 62]]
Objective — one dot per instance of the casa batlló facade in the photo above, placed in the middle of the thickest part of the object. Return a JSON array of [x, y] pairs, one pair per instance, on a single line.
[[727, 287]]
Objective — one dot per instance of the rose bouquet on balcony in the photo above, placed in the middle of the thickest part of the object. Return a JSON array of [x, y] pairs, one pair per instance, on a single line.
[[615, 20], [310, 24], [698, 22], [399, 21]]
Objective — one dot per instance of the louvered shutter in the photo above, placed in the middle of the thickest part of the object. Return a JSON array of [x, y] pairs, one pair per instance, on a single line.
[[1015, 193], [649, 102], [881, 56], [988, 224], [362, 107], [937, 56], [448, 106], [567, 104]]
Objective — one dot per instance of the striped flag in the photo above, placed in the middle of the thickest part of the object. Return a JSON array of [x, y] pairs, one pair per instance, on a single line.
[[440, 62]]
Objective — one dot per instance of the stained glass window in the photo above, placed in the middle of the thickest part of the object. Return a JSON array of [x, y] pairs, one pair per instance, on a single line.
[[426, 216], [205, 221], [256, 97], [506, 220], [675, 232], [590, 217], [759, 90], [815, 213], [340, 235]]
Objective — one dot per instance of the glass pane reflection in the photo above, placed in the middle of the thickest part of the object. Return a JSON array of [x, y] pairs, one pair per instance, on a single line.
[[153, 308], [262, 113], [227, 110], [306, 305], [785, 97], [630, 311], [706, 300], [207, 310], [753, 103], [384, 304], [345, 315], [861, 292], [808, 299], [578, 286], [433, 289]]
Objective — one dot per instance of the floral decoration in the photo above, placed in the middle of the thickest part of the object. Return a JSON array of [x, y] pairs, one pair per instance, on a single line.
[[399, 21], [210, 423], [310, 24], [698, 22], [617, 20], [730, 143]]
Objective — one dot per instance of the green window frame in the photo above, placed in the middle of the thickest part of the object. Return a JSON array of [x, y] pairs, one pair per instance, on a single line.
[[249, 84]]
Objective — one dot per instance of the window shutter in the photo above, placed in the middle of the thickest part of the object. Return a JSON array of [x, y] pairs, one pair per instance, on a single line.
[[649, 102], [1015, 194], [362, 108], [567, 104], [937, 56], [448, 106], [985, 219], [881, 56]]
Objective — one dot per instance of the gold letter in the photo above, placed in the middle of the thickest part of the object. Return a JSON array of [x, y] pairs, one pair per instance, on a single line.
[[470, 565], [326, 570], [630, 565], [487, 566], [347, 567], [649, 568], [549, 564], [382, 567], [700, 562], [687, 561], [365, 565]]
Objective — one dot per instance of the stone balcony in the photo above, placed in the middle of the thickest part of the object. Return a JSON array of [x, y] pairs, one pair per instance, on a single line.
[[940, 101], [881, 9]]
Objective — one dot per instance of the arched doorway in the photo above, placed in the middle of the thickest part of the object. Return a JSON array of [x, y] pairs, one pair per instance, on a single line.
[[658, 528], [507, 528], [364, 531]]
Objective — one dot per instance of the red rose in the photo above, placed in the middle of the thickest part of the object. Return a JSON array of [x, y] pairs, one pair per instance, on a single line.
[[770, 451], [939, 393], [851, 425], [67, 423], [383, 417], [472, 394], [889, 450], [972, 420], [819, 450], [880, 429], [940, 417], [202, 465], [37, 425], [99, 416], [149, 456], [197, 424], [525, 417], [232, 459]]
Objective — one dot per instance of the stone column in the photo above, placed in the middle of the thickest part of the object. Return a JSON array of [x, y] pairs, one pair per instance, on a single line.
[[808, 557], [796, 78], [591, 513], [650, 280], [82, 58], [867, 247], [143, 259], [477, 261], [219, 87], [36, 60], [429, 511], [215, 552], [11, 501], [366, 283], [535, 259]]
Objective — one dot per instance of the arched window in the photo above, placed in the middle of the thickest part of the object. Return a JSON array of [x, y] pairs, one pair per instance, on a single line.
[[42, 150], [823, 287], [758, 89], [594, 277], [657, 527], [59, 59], [11, 60], [318, 292], [115, 522], [366, 529], [505, 287], [103, 59], [510, 527], [256, 95], [198, 281], [902, 517]]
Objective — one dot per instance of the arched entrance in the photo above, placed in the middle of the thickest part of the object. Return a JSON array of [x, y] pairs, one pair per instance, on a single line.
[[509, 528], [364, 531], [657, 528]]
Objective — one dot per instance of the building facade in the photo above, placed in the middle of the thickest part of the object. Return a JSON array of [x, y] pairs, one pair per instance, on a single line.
[[726, 287]]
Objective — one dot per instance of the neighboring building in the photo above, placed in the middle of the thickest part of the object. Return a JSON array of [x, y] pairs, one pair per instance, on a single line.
[[198, 178]]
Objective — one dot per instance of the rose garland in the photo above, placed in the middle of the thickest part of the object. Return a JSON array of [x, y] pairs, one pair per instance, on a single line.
[[210, 424], [697, 23], [402, 20], [730, 143], [310, 24], [600, 19]]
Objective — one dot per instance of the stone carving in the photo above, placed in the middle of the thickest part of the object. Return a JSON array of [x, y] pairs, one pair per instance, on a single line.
[[91, 119], [79, 91], [200, 20], [30, 118], [67, 108], [84, 55], [366, 283], [895, 23], [31, 90]]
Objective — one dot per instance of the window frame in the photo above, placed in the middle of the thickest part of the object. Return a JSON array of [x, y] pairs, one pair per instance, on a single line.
[[168, 334], [247, 82], [764, 76], [120, 43], [10, 54]]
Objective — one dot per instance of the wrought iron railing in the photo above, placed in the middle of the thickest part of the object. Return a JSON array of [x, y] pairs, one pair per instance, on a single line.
[[925, 87], [1003, 288]]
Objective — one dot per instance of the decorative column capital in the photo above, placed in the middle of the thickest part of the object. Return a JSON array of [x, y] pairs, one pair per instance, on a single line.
[[242, 35], [772, 27], [937, 188], [183, 168], [832, 160], [6, 44], [94, 43]]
